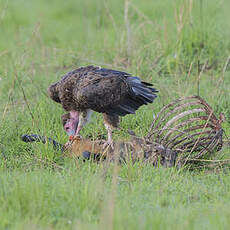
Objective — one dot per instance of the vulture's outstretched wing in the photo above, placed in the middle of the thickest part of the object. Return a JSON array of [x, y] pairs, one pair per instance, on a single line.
[[113, 92]]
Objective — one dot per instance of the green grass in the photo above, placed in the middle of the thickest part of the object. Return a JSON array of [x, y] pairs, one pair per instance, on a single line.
[[82, 198], [165, 42]]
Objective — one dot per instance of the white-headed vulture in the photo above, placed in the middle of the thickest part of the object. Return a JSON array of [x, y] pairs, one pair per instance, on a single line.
[[110, 92]]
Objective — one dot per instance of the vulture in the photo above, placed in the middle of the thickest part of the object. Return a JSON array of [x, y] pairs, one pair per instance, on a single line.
[[110, 92]]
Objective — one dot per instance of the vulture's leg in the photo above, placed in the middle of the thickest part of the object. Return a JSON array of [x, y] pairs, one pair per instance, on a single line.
[[84, 118], [111, 122], [109, 133]]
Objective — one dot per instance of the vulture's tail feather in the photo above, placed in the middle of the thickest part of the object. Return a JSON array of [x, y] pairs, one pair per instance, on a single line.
[[127, 108], [142, 95], [141, 91], [147, 83], [147, 96], [135, 104]]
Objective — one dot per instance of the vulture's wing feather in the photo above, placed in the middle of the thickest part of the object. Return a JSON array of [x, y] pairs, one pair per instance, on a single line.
[[103, 90], [111, 72], [53, 92], [114, 92], [101, 93]]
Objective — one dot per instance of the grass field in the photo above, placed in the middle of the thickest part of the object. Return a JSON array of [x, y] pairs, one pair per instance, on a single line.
[[181, 46]]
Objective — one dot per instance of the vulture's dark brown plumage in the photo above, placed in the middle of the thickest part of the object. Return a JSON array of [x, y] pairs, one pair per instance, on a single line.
[[102, 90], [107, 91]]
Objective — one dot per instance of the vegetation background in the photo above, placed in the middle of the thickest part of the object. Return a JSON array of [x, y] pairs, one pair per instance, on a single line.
[[182, 46]]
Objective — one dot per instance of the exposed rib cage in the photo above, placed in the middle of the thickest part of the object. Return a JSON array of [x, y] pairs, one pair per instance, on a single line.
[[187, 127]]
